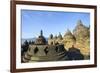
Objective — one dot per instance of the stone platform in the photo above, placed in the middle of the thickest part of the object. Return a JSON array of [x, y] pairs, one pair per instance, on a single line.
[[39, 53]]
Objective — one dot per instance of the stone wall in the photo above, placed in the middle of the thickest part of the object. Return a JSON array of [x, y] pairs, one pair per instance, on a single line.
[[45, 53]]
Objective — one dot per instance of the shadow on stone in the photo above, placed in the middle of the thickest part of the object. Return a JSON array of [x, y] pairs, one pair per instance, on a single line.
[[74, 54]]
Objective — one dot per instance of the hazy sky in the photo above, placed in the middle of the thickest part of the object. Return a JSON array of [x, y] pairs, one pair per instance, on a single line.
[[33, 21]]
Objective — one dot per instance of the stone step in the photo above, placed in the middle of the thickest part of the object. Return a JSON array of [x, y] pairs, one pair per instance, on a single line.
[[48, 58], [63, 58], [27, 56]]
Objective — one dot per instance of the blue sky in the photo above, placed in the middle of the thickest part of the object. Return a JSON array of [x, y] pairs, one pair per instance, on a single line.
[[33, 21]]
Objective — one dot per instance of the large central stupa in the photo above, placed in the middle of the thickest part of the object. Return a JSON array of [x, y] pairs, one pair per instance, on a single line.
[[41, 39]]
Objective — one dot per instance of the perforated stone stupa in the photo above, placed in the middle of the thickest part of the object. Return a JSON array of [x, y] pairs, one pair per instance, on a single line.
[[42, 51]]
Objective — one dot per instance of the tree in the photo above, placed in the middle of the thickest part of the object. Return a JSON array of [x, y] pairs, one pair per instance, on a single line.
[[26, 43], [24, 47], [30, 42]]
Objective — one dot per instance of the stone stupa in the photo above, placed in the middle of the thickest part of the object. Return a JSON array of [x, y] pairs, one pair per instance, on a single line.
[[42, 51]]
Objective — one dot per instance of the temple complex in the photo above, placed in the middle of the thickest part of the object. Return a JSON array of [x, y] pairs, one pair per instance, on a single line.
[[71, 46]]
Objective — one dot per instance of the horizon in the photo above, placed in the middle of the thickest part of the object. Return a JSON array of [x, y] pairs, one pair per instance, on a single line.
[[51, 22]]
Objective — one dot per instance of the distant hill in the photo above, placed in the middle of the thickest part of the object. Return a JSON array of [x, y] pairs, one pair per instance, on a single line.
[[30, 39]]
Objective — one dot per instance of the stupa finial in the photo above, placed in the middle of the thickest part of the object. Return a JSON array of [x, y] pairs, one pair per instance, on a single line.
[[41, 33]]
